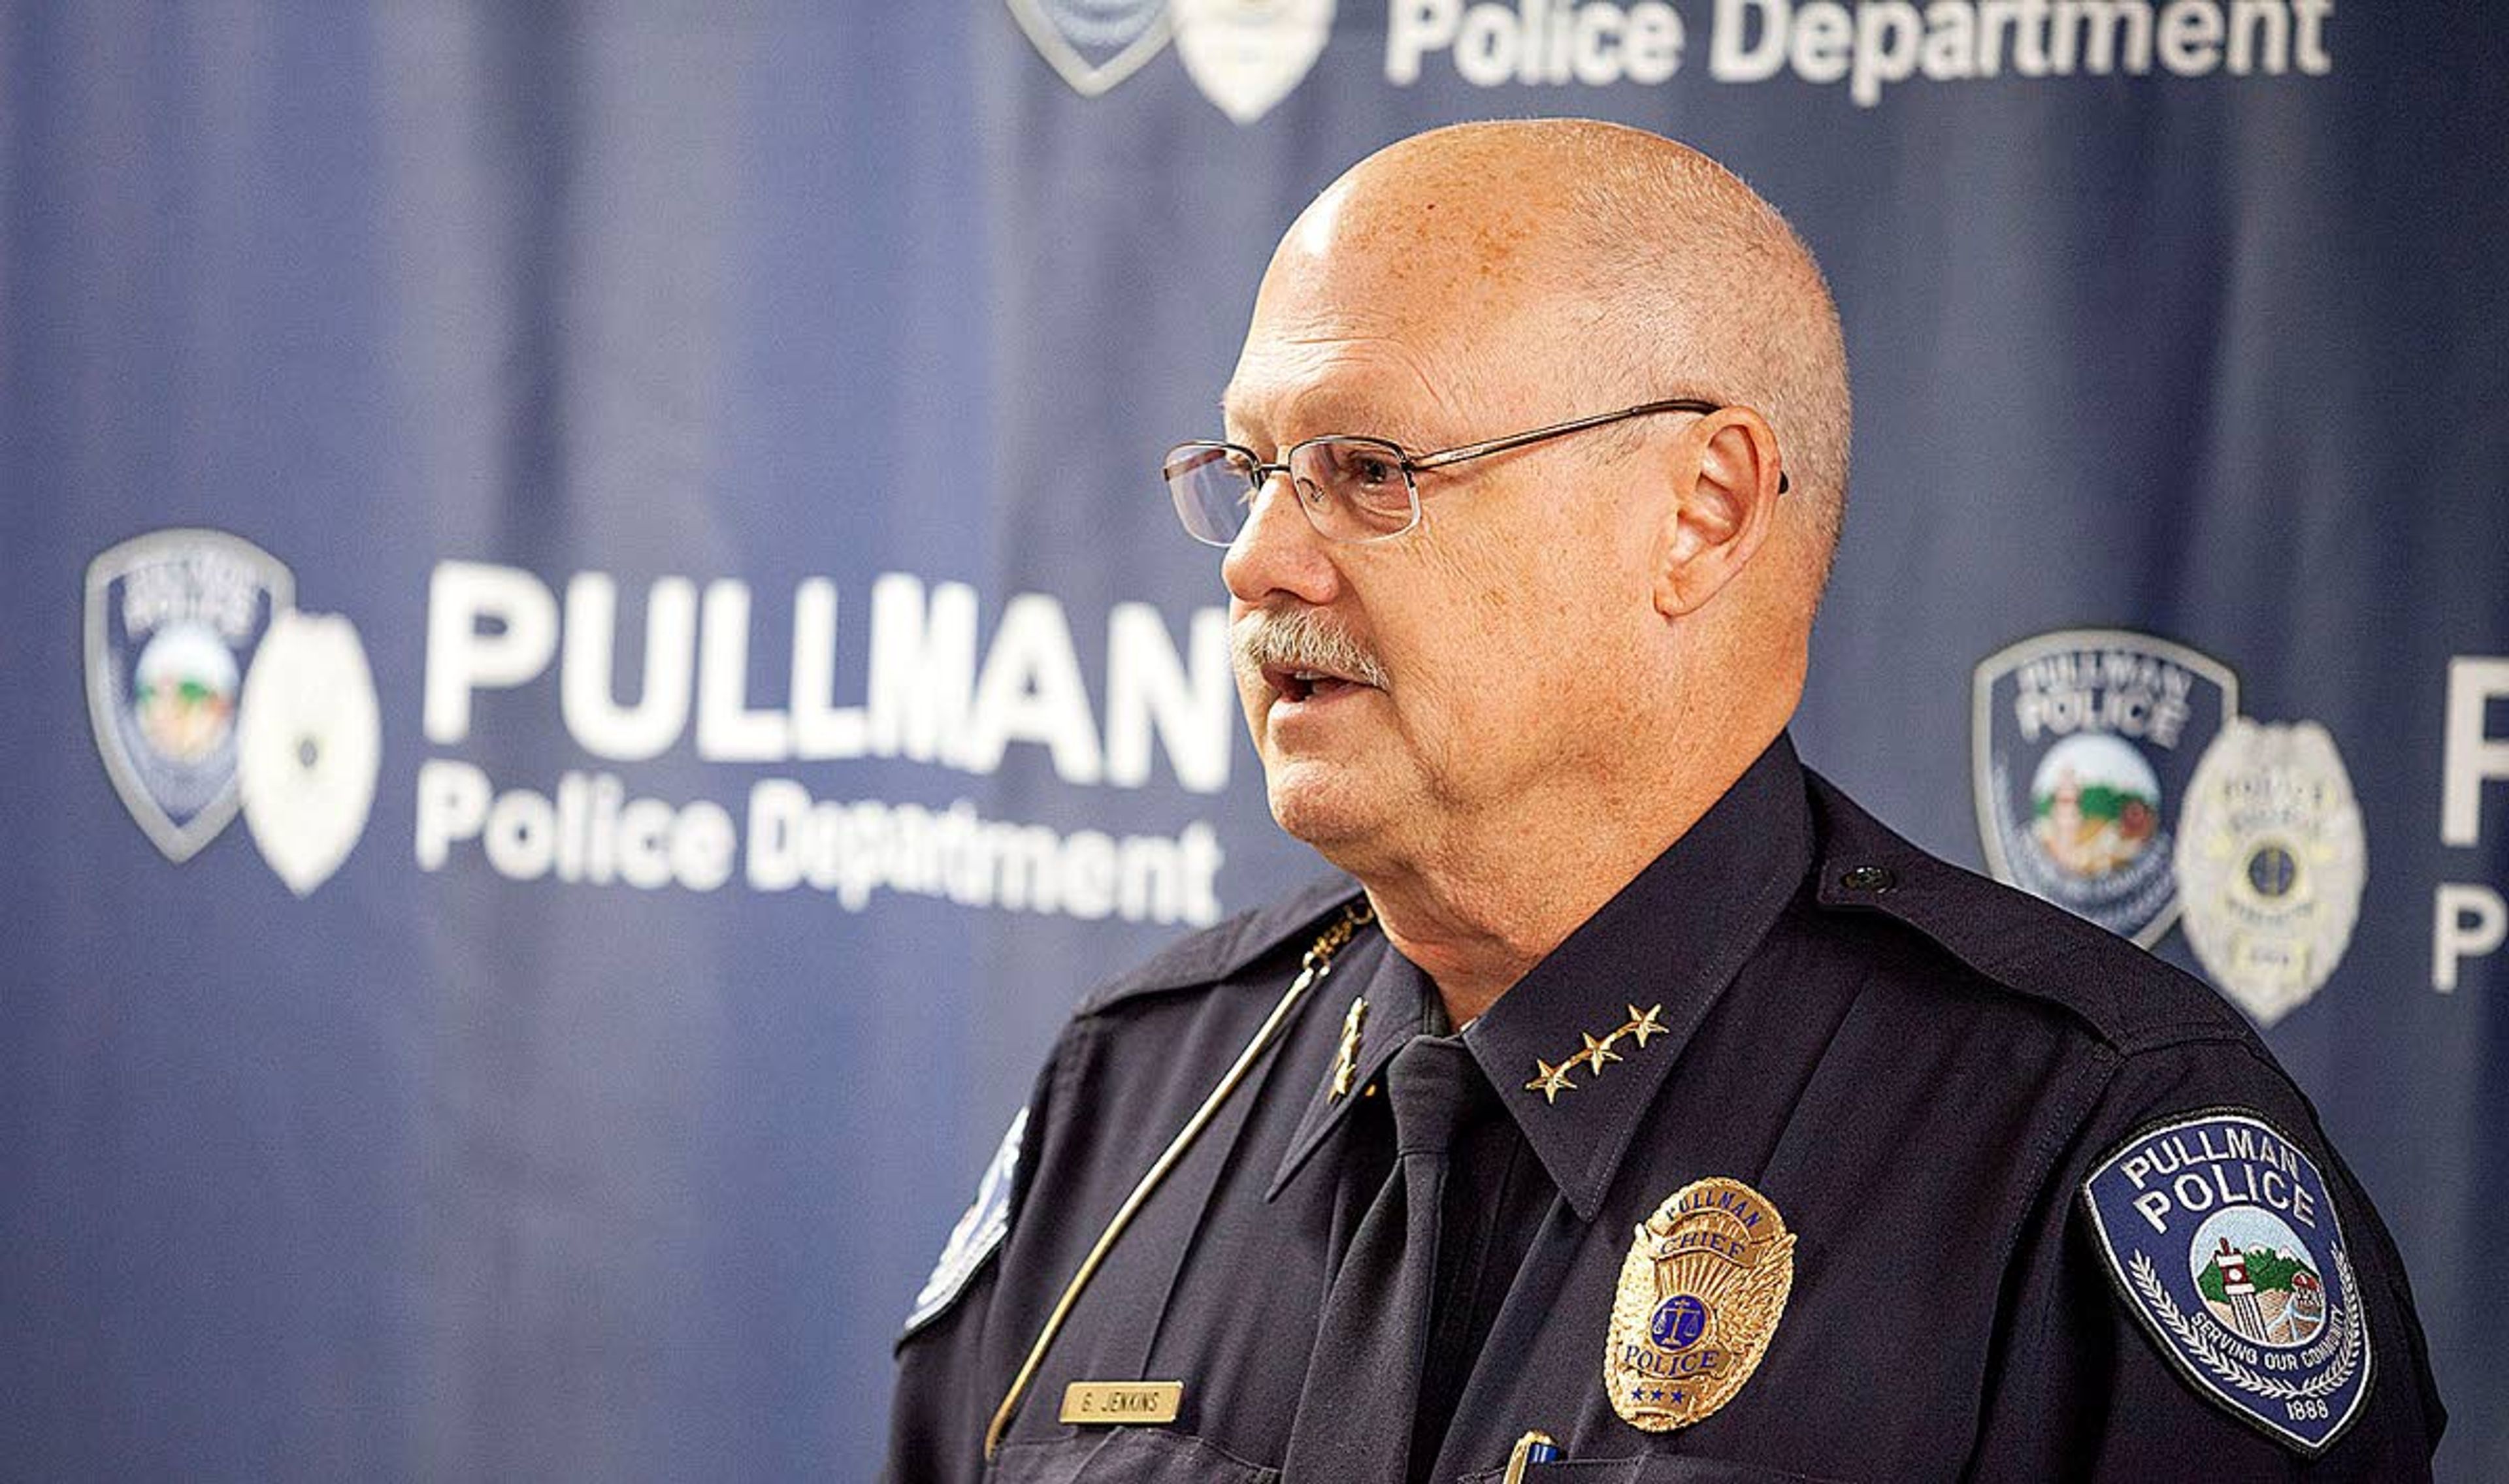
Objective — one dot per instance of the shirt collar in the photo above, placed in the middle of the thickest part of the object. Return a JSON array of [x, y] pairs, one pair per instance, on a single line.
[[1579, 1046], [1397, 996], [1632, 985]]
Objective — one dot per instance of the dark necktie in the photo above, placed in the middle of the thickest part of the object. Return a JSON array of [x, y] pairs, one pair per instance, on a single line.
[[1363, 1387]]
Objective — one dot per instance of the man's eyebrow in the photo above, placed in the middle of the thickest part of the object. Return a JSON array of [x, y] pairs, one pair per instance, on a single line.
[[1232, 424]]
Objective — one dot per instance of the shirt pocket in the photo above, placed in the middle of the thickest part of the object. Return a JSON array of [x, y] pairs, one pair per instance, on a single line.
[[1124, 1456], [1650, 1469]]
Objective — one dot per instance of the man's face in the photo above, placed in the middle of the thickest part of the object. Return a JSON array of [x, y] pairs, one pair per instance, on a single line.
[[1510, 628]]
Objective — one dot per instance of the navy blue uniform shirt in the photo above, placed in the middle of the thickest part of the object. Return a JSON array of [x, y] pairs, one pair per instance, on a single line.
[[1923, 1072]]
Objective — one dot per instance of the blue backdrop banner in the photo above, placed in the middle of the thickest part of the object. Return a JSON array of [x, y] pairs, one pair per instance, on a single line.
[[600, 658]]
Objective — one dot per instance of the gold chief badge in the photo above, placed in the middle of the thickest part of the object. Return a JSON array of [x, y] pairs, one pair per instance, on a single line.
[[1700, 1297]]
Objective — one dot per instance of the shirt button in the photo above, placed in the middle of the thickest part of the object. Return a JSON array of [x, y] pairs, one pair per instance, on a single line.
[[1868, 878]]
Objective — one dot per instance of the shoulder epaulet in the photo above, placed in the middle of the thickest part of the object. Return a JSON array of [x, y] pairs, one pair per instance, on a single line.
[[2130, 998], [1229, 946]]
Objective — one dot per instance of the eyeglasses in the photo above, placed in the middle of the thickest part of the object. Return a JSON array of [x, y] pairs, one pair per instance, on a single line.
[[1353, 490]]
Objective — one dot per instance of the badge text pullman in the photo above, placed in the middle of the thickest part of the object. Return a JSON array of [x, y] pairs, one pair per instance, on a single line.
[[2197, 1171]]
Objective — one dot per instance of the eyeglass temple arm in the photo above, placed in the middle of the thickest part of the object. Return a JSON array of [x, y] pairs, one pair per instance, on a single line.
[[1444, 456]]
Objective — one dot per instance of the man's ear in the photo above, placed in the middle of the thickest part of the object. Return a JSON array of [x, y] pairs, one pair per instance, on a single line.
[[1724, 510]]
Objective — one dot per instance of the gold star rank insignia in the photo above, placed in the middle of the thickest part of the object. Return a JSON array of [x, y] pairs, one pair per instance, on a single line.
[[1346, 1056], [1551, 1079], [1700, 1296]]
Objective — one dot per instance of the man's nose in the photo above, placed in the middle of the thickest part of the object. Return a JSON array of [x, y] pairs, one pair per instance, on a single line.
[[1278, 551]]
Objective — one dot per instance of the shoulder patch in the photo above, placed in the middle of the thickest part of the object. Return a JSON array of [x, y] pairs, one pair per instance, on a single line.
[[2222, 1239], [988, 1221]]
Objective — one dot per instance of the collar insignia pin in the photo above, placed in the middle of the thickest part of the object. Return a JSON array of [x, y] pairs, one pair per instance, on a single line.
[[1346, 1056], [1700, 1296], [1551, 1081]]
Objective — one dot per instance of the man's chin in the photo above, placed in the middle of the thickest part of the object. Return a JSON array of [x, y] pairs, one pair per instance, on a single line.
[[1323, 804]]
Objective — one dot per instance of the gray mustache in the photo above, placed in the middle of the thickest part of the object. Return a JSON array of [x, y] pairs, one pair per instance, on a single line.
[[1301, 639]]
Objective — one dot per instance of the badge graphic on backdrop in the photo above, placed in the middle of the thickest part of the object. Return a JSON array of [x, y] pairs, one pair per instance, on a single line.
[[2270, 863], [309, 741], [2221, 1237], [2083, 746], [1094, 44], [172, 621], [980, 1230], [1246, 55], [1700, 1296]]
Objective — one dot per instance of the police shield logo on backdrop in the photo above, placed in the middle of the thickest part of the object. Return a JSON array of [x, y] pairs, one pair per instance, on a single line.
[[1094, 44], [2083, 744], [172, 621], [2220, 1237], [1246, 55], [210, 692]]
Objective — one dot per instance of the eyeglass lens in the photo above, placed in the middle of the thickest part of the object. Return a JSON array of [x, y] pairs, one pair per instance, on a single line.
[[1350, 489], [1213, 487]]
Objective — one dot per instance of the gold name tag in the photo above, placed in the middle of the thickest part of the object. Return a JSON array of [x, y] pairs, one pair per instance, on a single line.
[[1121, 1402]]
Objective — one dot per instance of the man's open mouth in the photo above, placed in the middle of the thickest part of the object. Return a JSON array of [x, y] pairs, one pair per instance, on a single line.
[[1294, 685]]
